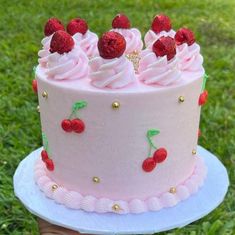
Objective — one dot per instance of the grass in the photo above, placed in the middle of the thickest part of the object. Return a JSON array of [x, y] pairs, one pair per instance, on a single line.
[[21, 29]]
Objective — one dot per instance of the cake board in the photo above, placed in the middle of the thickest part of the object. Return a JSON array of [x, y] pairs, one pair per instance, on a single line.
[[209, 196]]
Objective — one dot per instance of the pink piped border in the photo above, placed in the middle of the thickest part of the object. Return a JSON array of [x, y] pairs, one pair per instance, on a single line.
[[75, 200]]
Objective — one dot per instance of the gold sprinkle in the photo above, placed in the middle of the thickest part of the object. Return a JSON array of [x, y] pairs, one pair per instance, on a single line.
[[116, 207], [54, 187], [172, 190], [134, 57], [115, 105], [96, 179], [194, 151], [38, 108], [44, 94], [181, 99]]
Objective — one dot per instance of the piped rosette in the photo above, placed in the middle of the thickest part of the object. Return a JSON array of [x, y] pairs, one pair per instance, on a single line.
[[66, 61], [86, 39], [111, 69], [51, 26], [188, 51], [161, 26], [121, 24], [159, 66]]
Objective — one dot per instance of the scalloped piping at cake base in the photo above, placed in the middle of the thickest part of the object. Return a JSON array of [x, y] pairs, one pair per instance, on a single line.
[[75, 200]]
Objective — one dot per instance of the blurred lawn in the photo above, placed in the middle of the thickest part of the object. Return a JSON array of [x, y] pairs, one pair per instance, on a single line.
[[21, 30]]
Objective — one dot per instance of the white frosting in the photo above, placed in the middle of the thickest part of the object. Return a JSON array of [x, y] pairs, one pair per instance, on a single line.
[[133, 39], [44, 52], [150, 37], [158, 70], [71, 65], [190, 58], [112, 73], [88, 43]]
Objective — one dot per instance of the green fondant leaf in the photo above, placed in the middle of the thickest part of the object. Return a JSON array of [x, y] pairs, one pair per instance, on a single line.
[[79, 105], [152, 132]]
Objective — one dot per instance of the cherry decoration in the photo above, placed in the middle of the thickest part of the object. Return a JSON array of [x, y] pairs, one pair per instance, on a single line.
[[77, 125], [49, 164], [203, 98], [44, 155], [160, 155], [35, 86], [66, 125], [149, 164]]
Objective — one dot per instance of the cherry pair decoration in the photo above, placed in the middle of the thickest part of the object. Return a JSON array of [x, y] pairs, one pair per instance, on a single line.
[[45, 154], [159, 155]]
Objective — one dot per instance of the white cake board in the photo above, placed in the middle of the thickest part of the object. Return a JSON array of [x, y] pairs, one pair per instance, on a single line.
[[200, 204]]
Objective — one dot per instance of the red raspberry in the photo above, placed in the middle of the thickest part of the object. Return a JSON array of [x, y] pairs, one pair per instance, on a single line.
[[49, 164], [111, 45], [203, 97], [184, 35], [161, 23], [44, 155], [61, 42], [148, 164], [66, 125], [165, 46], [35, 86], [77, 25], [52, 25], [121, 21], [160, 155], [78, 125]]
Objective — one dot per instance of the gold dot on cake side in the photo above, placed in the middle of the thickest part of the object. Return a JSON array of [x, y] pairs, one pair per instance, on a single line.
[[172, 190], [38, 108], [194, 151], [116, 105], [116, 207], [54, 187], [181, 99], [45, 94], [96, 179]]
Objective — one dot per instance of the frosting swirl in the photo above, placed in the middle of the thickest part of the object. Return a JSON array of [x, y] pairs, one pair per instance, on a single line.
[[44, 52], [111, 73], [88, 42], [190, 58], [150, 37], [158, 70], [133, 39], [72, 65]]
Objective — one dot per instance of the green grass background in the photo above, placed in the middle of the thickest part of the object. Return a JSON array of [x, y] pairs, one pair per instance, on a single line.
[[21, 30]]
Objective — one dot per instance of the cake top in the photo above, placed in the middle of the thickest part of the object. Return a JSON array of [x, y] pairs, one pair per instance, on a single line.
[[117, 59]]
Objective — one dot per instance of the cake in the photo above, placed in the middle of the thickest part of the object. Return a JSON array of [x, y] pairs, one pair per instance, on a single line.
[[119, 134]]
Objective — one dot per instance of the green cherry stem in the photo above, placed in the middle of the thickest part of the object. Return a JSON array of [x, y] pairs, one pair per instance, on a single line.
[[205, 77]]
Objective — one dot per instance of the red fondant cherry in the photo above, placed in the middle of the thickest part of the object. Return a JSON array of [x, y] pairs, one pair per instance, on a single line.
[[78, 125], [160, 155], [66, 125], [148, 164], [35, 86], [44, 155], [49, 164], [203, 97]]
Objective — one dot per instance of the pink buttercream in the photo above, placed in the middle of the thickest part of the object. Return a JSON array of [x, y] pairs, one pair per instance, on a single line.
[[90, 203], [111, 73], [88, 43], [150, 37], [158, 70], [133, 39], [44, 52], [190, 58], [68, 66]]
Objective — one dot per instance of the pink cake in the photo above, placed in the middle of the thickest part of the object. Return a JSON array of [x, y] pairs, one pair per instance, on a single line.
[[117, 138]]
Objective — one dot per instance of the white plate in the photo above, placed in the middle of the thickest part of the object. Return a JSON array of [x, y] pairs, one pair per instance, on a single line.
[[200, 204]]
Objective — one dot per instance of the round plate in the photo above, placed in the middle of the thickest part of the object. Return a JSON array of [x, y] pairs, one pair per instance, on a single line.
[[195, 207]]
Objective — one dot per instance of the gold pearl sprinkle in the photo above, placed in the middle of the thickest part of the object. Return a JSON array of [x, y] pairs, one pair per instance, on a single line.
[[116, 207], [194, 151], [181, 99], [96, 179], [172, 190], [115, 105], [38, 108], [54, 187], [44, 94]]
